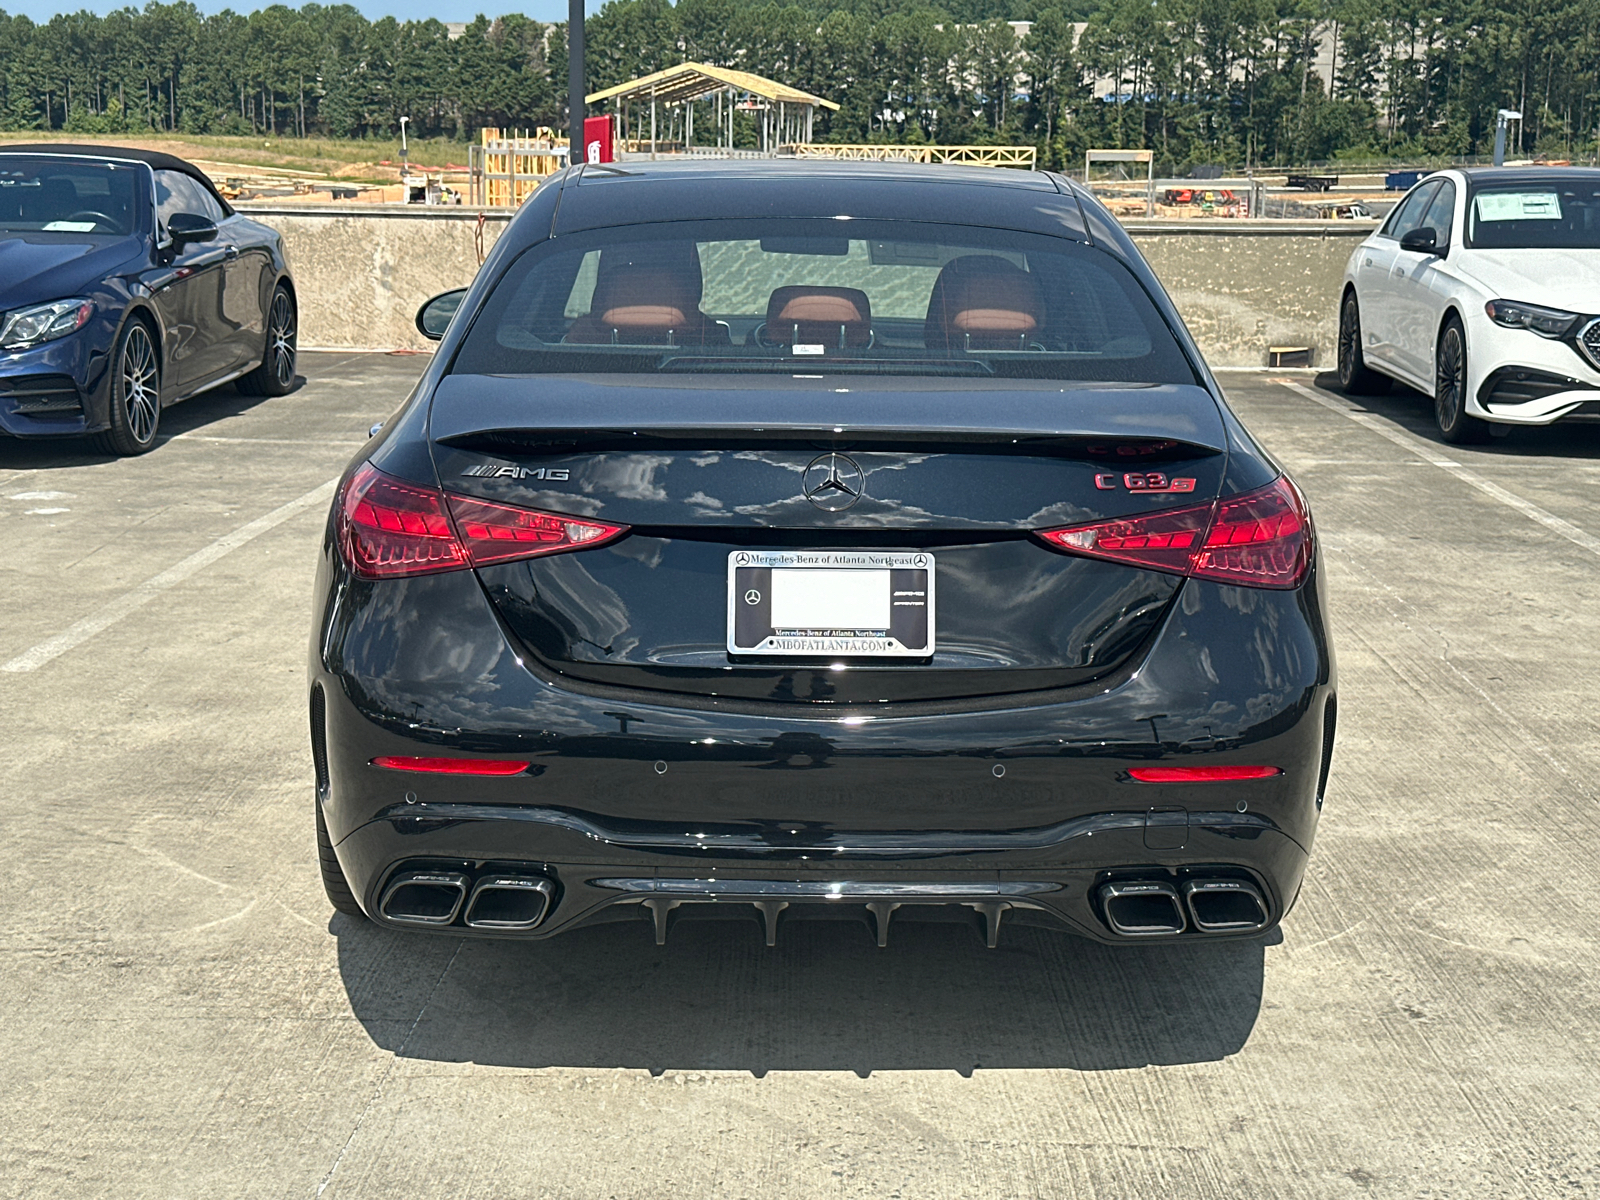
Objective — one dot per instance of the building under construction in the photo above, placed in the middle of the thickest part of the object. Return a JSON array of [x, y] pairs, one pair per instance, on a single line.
[[690, 110]]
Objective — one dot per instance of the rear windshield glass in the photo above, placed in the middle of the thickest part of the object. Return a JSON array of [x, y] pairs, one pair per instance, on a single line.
[[822, 296], [53, 195], [1563, 214]]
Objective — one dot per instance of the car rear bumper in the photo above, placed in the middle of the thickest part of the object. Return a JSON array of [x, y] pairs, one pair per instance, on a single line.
[[634, 806]]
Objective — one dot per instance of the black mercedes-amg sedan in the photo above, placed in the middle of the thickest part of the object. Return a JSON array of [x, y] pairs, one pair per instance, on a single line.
[[786, 540], [127, 283]]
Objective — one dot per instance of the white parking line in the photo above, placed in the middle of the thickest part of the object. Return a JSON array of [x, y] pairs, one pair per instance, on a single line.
[[266, 441], [1430, 454], [112, 612]]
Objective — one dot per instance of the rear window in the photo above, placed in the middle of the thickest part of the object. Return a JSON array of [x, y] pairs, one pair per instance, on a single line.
[[60, 195], [822, 296]]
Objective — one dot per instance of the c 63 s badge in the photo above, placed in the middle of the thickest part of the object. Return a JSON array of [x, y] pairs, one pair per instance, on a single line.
[[490, 471], [1143, 481]]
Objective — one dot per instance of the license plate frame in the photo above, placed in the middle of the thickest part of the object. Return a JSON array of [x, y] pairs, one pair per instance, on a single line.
[[795, 585]]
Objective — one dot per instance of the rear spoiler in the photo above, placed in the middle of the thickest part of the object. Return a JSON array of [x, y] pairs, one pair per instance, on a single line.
[[563, 412]]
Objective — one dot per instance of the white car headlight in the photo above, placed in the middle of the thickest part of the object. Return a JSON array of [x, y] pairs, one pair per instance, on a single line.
[[25, 327], [1546, 322]]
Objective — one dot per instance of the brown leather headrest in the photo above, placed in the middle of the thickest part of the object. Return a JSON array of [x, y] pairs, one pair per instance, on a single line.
[[645, 286], [828, 316], [983, 302], [644, 316]]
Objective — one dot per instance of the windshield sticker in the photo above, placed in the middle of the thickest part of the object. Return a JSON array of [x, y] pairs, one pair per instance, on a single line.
[[69, 226], [1519, 206]]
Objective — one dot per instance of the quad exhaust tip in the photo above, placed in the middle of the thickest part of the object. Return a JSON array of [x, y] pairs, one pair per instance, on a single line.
[[495, 903], [1225, 905], [509, 902], [424, 897], [1141, 908]]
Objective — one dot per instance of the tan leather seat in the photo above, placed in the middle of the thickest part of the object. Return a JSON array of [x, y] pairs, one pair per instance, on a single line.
[[982, 302], [648, 295], [835, 317]]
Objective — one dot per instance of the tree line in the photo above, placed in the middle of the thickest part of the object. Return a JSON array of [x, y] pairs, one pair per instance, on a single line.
[[1231, 82]]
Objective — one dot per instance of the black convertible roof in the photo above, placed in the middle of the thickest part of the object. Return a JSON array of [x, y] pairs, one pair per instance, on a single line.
[[155, 158]]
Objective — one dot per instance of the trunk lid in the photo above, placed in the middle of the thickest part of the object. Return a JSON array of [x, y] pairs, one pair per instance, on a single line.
[[701, 469]]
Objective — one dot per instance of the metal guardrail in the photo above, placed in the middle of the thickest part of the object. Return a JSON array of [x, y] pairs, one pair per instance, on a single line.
[[1024, 157]]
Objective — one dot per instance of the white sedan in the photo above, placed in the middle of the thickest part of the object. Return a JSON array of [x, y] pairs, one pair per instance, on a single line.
[[1482, 289]]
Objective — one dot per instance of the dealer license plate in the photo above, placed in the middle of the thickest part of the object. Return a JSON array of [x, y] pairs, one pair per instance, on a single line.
[[852, 603]]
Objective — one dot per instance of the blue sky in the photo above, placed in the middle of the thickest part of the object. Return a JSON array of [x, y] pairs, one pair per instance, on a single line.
[[403, 10]]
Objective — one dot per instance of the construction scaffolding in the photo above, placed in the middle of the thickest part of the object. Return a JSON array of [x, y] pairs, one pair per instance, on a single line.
[[504, 169], [1124, 196], [786, 112], [1024, 157]]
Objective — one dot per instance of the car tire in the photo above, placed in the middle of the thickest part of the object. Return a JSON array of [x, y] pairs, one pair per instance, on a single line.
[[333, 880], [135, 392], [1355, 377], [1450, 388], [275, 375]]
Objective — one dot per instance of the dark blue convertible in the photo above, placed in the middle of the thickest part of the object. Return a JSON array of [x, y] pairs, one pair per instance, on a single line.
[[127, 284]]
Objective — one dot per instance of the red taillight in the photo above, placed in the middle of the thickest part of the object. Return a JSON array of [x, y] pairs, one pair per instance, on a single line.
[[1260, 539], [450, 766], [390, 529], [1201, 774], [498, 533]]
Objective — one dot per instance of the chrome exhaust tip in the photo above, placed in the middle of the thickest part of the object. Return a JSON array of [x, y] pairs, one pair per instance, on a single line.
[[424, 897], [509, 902], [1141, 909], [1226, 905]]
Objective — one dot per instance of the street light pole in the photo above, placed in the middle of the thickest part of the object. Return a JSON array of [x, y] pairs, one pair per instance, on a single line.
[[1501, 119], [576, 105], [403, 163]]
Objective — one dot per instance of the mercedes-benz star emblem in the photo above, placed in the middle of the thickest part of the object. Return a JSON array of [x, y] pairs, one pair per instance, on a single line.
[[833, 482], [752, 597]]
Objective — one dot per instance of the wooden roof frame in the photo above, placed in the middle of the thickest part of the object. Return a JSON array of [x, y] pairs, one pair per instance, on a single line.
[[691, 81]]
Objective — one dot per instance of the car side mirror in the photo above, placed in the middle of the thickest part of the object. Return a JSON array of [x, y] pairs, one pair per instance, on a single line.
[[191, 227], [433, 318], [1421, 241]]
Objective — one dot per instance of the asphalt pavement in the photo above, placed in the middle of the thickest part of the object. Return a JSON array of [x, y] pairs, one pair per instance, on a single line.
[[185, 1017]]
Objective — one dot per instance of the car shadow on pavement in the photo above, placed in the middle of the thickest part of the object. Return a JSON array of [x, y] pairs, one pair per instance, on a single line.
[[217, 405], [826, 998], [1413, 412], [193, 415]]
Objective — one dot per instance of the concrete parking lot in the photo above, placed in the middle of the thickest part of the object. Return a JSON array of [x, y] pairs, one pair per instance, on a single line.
[[184, 1016]]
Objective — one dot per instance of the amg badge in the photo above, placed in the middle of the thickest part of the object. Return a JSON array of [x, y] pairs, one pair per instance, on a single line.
[[490, 471]]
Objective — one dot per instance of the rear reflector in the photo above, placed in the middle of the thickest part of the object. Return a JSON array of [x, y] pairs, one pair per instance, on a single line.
[[1201, 774], [450, 766], [1260, 539], [390, 529]]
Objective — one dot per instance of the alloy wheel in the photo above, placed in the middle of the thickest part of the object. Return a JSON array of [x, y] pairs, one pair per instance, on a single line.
[[1349, 340], [140, 394], [1452, 364], [281, 339]]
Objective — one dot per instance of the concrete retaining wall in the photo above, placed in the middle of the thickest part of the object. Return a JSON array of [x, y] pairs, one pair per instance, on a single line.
[[1245, 285], [1241, 285], [361, 274]]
